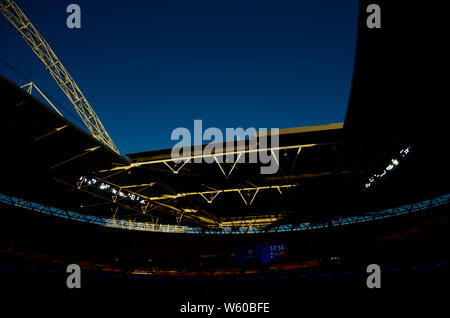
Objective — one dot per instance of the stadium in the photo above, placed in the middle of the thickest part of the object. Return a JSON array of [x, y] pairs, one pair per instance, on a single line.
[[371, 190]]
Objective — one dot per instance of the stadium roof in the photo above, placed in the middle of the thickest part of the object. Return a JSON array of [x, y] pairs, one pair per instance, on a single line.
[[39, 144], [326, 170], [51, 161]]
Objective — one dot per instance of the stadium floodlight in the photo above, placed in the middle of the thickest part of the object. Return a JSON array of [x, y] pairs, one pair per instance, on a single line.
[[394, 163]]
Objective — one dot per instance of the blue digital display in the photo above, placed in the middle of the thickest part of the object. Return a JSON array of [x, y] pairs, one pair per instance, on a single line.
[[261, 253]]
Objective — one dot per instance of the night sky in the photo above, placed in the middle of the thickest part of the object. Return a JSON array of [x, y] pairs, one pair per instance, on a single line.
[[148, 67]]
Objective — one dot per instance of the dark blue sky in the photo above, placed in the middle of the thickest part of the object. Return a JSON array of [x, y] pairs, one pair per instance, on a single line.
[[148, 67]]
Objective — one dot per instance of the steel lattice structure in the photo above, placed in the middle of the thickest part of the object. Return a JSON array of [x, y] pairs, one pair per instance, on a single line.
[[406, 209], [42, 49]]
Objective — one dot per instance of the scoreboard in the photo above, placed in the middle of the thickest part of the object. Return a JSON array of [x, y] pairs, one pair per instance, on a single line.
[[261, 253]]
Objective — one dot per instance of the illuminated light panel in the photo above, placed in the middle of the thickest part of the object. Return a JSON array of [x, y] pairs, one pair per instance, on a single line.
[[103, 186], [391, 166], [190, 210]]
